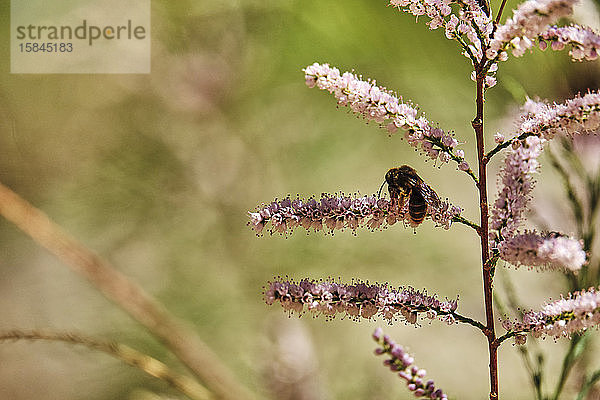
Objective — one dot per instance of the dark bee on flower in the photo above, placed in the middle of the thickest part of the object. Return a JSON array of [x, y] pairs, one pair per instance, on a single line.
[[403, 182]]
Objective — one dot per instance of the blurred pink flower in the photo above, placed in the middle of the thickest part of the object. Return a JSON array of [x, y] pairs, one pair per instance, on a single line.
[[584, 41], [561, 318], [550, 250]]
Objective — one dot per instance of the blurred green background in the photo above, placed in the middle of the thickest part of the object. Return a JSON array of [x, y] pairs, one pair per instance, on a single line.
[[157, 173]]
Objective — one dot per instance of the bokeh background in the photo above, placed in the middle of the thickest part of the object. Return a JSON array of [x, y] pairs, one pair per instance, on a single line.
[[157, 173]]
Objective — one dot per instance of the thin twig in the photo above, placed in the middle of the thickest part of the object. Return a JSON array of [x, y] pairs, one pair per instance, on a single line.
[[497, 21], [465, 221], [467, 320], [130, 356], [588, 385], [576, 346], [180, 339], [507, 143], [507, 335]]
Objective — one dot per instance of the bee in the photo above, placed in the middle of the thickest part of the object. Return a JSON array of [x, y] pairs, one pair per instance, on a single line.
[[404, 182]]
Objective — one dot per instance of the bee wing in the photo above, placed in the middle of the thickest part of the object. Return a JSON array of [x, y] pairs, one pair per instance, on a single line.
[[414, 181], [430, 196]]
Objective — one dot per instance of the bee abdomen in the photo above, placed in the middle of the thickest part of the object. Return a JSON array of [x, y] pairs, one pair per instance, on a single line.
[[417, 207]]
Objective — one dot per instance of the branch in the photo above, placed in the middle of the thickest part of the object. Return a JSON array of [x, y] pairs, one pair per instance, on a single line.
[[576, 347], [467, 320], [177, 336], [130, 356], [507, 143], [497, 21], [588, 385], [465, 221]]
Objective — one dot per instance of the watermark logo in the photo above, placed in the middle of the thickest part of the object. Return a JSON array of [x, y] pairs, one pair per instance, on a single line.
[[80, 36]]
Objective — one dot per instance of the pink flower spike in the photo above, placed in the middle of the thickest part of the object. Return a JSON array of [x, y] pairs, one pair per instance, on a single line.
[[577, 115], [465, 24], [414, 376], [547, 251], [356, 300], [516, 185], [574, 314], [339, 212], [583, 41], [530, 19], [377, 104]]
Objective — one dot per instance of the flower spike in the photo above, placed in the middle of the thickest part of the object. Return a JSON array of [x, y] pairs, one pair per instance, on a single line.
[[516, 186], [529, 20], [584, 41], [561, 318], [548, 251], [469, 25], [580, 114], [378, 104], [403, 363], [358, 300], [338, 212]]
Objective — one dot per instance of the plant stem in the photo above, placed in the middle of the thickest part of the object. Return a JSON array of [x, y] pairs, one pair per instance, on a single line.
[[465, 221], [487, 267], [144, 362], [467, 320], [576, 347], [177, 336], [497, 21]]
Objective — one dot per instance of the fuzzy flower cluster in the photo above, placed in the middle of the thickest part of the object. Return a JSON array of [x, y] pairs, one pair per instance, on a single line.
[[547, 251], [516, 185], [577, 115], [403, 363], [540, 122], [528, 21], [339, 212], [377, 104], [469, 26], [584, 42], [357, 300], [329, 212], [436, 10], [561, 318]]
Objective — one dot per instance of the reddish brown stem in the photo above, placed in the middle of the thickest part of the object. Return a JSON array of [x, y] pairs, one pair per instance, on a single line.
[[497, 21], [483, 234]]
